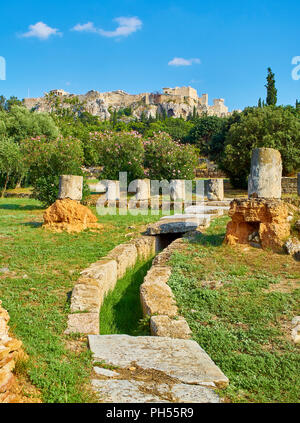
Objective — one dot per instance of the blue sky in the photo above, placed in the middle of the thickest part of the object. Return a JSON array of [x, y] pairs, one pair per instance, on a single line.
[[220, 48]]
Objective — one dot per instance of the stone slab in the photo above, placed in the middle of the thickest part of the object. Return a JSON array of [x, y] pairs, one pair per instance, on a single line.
[[194, 394], [182, 359], [175, 225], [186, 217], [132, 391], [219, 210], [122, 391]]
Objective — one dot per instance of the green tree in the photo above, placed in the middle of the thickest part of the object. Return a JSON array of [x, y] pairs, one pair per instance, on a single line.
[[47, 160], [203, 130], [271, 99], [19, 124], [11, 161], [277, 128]]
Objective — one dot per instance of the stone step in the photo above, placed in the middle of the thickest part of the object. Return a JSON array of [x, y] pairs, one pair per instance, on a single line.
[[178, 224], [218, 210], [154, 369], [186, 217]]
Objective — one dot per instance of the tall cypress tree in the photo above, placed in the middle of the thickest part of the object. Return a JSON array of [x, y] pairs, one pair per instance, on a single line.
[[271, 99], [259, 103]]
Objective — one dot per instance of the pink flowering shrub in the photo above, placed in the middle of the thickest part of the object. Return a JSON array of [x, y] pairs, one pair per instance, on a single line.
[[120, 152], [168, 159]]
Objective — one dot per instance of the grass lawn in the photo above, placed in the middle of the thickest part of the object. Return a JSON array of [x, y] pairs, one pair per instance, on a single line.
[[121, 312], [43, 268], [239, 303]]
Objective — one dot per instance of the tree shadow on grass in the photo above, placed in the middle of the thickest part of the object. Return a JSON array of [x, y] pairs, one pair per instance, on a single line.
[[33, 224], [20, 207], [212, 240]]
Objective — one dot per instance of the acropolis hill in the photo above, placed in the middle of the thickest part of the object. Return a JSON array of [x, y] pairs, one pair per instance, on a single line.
[[176, 102]]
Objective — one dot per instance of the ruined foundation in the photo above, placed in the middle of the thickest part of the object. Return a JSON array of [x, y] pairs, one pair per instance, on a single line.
[[258, 222]]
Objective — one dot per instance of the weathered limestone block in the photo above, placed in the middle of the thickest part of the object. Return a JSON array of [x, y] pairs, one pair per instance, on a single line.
[[87, 296], [71, 216], [104, 271], [146, 247], [265, 175], [158, 274], [296, 330], [177, 189], [157, 298], [292, 247], [86, 323], [266, 218], [112, 191], [70, 186], [172, 328], [93, 285], [126, 256], [214, 189]]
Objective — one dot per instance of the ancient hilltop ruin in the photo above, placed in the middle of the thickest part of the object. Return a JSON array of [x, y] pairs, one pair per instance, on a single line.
[[173, 102]]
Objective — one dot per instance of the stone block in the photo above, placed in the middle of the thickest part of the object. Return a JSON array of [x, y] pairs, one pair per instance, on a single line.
[[126, 257], [157, 298], [265, 175], [172, 328], [105, 272], [146, 247], [87, 295], [85, 323], [70, 186], [214, 189]]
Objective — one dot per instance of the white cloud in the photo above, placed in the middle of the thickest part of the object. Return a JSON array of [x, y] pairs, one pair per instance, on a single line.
[[41, 31], [126, 27], [88, 27], [179, 61]]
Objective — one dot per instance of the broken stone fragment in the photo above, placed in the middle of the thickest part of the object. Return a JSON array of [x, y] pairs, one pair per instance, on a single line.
[[292, 247]]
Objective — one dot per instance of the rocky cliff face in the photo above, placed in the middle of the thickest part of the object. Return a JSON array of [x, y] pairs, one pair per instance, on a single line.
[[104, 104]]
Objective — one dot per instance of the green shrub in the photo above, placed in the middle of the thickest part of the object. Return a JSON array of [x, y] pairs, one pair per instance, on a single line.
[[167, 159], [120, 152], [19, 124], [11, 163], [47, 160], [272, 127]]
